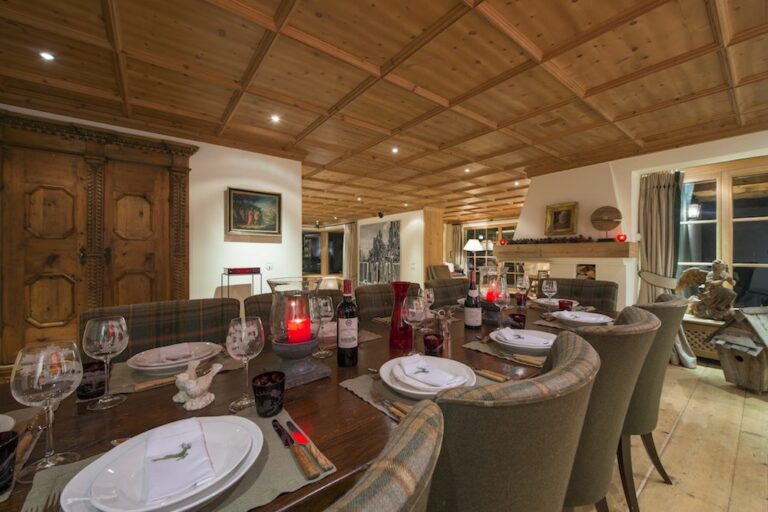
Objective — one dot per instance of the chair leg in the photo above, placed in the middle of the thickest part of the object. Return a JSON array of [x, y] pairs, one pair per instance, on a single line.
[[602, 505], [624, 454], [650, 448]]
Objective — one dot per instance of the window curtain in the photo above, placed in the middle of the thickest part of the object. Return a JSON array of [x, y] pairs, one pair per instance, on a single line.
[[659, 225], [661, 196], [349, 262], [457, 252]]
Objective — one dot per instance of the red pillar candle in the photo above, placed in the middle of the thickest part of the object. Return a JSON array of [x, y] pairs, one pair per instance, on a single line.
[[491, 295], [297, 322]]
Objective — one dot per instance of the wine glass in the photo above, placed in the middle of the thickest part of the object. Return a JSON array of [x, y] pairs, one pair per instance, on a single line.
[[502, 298], [523, 284], [549, 288], [104, 338], [42, 376], [414, 313], [326, 308], [245, 340]]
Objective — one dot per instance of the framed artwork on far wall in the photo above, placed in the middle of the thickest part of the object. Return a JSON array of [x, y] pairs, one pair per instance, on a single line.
[[561, 219], [250, 212]]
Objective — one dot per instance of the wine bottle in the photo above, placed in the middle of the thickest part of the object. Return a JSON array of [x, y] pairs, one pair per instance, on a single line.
[[473, 314], [346, 328]]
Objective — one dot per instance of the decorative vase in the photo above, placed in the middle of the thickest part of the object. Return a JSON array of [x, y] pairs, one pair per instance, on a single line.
[[294, 327], [400, 333]]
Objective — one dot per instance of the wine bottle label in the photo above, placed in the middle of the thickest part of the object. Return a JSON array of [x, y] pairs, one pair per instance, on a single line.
[[473, 317], [347, 332]]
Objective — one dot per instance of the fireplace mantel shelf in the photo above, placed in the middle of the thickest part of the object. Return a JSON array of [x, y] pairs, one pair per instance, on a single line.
[[523, 252]]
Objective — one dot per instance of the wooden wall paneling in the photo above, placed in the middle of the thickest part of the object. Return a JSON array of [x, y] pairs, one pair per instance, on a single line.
[[433, 236], [178, 224]]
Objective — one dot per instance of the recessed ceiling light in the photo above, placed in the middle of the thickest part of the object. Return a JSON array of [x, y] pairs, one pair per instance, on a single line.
[[395, 149], [517, 183], [335, 218], [274, 118], [47, 56], [359, 198], [466, 169], [405, 204]]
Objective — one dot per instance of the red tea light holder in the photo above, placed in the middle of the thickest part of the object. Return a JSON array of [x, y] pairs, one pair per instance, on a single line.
[[294, 327], [621, 237]]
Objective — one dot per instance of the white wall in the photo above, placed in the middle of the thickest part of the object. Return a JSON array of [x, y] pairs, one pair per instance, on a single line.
[[214, 168], [411, 243]]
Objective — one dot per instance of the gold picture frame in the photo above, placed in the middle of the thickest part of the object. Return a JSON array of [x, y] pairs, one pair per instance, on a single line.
[[561, 219], [254, 213]]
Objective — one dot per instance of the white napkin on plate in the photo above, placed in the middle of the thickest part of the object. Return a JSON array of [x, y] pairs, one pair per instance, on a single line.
[[176, 459], [418, 368], [525, 338], [176, 352]]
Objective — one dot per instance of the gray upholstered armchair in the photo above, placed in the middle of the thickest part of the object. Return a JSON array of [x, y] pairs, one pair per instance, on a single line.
[[448, 291], [601, 295]]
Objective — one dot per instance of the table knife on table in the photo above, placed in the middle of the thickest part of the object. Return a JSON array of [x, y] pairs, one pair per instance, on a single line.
[[309, 468], [303, 440]]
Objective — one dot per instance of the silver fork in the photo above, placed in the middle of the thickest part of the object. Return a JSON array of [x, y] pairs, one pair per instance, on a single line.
[[52, 503]]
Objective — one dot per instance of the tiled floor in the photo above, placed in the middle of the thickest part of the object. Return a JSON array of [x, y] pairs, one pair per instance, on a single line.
[[713, 441]]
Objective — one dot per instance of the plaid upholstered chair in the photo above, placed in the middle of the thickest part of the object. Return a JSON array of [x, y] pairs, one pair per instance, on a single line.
[[375, 300], [154, 324], [447, 291], [261, 305], [438, 272], [510, 446], [601, 295], [398, 480], [622, 348], [643, 412]]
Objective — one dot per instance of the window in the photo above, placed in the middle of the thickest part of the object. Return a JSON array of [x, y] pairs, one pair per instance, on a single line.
[[323, 252], [725, 216], [489, 237]]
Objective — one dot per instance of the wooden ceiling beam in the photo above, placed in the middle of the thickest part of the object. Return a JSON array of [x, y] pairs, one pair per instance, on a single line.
[[59, 29], [750, 33], [672, 102], [719, 22], [282, 14], [111, 16], [64, 85]]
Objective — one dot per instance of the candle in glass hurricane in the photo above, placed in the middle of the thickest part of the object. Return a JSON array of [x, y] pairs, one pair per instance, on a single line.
[[297, 322]]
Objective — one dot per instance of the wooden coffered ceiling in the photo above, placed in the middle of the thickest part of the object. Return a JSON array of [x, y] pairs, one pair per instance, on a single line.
[[505, 90]]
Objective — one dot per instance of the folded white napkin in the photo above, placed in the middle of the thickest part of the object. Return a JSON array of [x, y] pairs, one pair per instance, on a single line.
[[176, 459], [416, 367], [526, 338], [176, 352]]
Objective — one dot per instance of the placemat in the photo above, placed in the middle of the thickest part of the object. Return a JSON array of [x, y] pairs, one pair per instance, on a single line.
[[371, 389], [386, 320], [553, 324], [488, 348], [363, 336], [124, 379], [275, 472]]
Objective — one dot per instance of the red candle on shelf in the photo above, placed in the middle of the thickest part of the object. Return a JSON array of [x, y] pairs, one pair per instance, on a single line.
[[297, 322], [621, 237]]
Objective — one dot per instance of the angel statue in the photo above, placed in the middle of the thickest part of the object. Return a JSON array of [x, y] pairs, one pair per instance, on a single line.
[[716, 295]]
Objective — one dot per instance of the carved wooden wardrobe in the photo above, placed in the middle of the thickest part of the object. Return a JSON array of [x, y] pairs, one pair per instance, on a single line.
[[90, 218]]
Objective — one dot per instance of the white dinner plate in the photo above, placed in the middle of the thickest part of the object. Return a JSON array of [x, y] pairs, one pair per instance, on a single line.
[[163, 356], [448, 365], [76, 495], [552, 303], [580, 318], [534, 343], [175, 367], [120, 485]]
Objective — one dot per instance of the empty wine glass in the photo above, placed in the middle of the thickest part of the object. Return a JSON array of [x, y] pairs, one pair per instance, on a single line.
[[549, 288], [429, 297], [104, 338], [245, 340], [413, 312], [523, 284], [43, 375], [502, 298], [327, 311]]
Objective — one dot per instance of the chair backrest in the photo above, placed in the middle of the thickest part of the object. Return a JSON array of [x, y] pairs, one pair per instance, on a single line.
[[447, 291], [643, 412], [155, 324], [376, 300], [657, 280], [510, 446], [261, 305], [622, 348], [398, 480], [601, 295], [438, 272]]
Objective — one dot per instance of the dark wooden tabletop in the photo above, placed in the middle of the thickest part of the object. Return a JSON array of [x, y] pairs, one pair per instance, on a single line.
[[347, 429]]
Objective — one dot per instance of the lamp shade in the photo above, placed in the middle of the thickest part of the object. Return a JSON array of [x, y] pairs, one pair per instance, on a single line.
[[473, 245], [488, 245]]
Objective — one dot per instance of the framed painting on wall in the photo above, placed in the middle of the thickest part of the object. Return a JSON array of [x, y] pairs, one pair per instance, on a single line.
[[561, 219], [253, 213]]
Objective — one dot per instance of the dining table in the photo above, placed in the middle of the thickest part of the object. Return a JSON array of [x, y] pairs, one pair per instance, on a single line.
[[348, 430]]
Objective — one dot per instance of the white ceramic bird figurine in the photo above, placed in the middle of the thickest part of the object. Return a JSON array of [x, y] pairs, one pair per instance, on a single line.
[[193, 390]]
